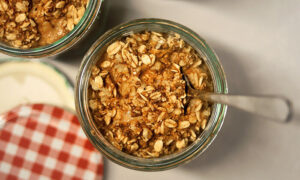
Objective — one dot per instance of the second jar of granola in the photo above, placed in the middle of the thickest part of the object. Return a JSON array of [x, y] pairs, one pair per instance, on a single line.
[[44, 28]]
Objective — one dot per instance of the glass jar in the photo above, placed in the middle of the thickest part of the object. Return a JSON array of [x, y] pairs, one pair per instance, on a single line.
[[92, 11], [168, 161]]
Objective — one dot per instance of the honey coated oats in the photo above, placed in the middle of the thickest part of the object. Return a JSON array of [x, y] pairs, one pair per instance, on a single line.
[[137, 94], [32, 23]]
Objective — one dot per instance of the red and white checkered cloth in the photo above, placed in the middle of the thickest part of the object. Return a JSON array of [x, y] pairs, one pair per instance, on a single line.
[[46, 142]]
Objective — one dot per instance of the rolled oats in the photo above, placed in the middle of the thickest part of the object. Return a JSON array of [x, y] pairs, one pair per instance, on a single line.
[[97, 83], [180, 144], [146, 59], [158, 145], [170, 123], [193, 135], [114, 48], [142, 49], [60, 4], [147, 134], [107, 119], [105, 64], [203, 123], [20, 18], [184, 124], [137, 94], [32, 23]]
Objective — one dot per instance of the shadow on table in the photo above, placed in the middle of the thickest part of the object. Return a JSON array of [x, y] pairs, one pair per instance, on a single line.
[[237, 123], [105, 168], [295, 118], [117, 13]]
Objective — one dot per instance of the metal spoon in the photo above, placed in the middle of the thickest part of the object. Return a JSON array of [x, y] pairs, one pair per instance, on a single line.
[[274, 108]]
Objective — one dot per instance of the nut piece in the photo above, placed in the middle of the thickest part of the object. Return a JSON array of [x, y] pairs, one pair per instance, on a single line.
[[180, 144], [95, 70], [80, 12], [20, 18], [142, 49], [152, 57], [70, 24], [93, 104], [134, 147], [11, 36], [146, 59], [107, 119], [158, 145], [97, 83], [105, 64], [146, 134]]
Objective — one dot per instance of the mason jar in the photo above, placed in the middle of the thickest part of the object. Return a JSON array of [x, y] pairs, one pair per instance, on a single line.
[[94, 9], [168, 161]]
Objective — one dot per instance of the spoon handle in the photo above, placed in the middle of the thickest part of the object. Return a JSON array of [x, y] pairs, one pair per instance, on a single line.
[[272, 107]]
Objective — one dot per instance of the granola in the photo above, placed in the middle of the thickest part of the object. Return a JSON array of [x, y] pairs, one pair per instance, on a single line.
[[32, 23], [137, 94]]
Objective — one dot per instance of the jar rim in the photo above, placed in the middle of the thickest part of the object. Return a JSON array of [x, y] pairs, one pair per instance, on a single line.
[[63, 43], [168, 161]]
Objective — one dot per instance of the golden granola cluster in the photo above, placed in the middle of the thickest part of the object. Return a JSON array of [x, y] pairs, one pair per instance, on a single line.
[[32, 23], [137, 94]]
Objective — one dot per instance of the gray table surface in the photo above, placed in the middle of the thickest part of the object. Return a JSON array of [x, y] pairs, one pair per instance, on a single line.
[[257, 42]]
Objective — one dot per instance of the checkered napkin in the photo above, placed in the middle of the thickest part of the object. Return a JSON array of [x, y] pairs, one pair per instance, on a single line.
[[45, 142]]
